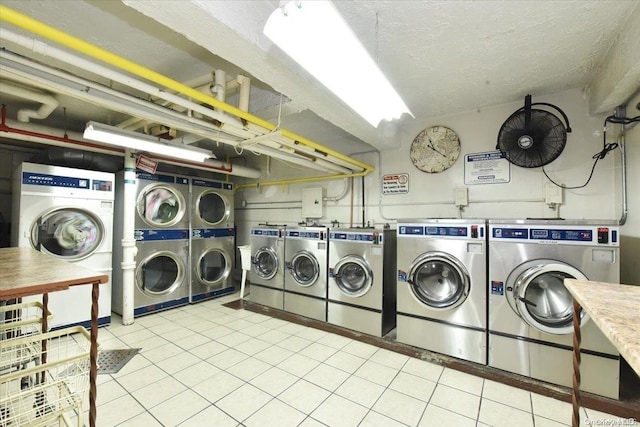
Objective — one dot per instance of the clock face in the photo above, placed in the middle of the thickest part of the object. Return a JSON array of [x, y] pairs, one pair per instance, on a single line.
[[435, 149]]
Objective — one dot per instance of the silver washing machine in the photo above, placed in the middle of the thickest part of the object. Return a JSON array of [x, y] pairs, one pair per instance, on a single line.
[[267, 266], [212, 255], [161, 201], [68, 214], [211, 204], [305, 282], [442, 287], [361, 285], [530, 310]]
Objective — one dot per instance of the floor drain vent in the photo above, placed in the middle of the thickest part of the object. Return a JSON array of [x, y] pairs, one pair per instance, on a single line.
[[111, 361]]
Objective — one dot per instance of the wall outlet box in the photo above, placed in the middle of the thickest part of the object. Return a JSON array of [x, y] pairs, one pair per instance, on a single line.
[[461, 196], [552, 194], [312, 203]]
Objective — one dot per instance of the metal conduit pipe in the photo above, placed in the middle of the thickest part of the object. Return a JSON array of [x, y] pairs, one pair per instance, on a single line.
[[129, 249], [49, 103], [36, 27]]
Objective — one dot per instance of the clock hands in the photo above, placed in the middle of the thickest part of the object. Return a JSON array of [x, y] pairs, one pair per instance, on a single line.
[[434, 148]]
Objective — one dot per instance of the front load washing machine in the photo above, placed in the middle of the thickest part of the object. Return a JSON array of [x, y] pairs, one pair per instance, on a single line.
[[442, 293], [68, 214], [361, 286], [267, 266], [305, 283], [161, 201], [530, 310], [212, 255], [211, 204]]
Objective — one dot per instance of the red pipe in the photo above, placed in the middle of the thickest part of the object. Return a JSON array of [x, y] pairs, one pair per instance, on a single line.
[[5, 128]]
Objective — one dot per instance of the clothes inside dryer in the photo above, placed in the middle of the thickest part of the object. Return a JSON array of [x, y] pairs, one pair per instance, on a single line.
[[160, 205], [69, 233]]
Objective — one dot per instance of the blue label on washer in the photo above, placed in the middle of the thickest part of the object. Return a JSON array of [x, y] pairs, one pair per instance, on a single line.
[[564, 235], [446, 231], [100, 185], [510, 233], [154, 177], [267, 232], [402, 276], [497, 288], [353, 237], [212, 184], [205, 233], [411, 230], [154, 235], [54, 180], [306, 234]]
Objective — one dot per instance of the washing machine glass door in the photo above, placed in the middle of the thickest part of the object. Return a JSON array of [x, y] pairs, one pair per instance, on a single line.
[[353, 275], [160, 205], [68, 233], [212, 208], [541, 298], [160, 273], [439, 280], [265, 262], [305, 269], [213, 267]]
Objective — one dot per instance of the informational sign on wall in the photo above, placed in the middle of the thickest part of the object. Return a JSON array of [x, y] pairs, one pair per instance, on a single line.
[[396, 183], [491, 167]]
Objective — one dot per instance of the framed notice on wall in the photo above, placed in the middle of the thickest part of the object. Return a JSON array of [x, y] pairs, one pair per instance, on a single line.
[[491, 167], [395, 183]]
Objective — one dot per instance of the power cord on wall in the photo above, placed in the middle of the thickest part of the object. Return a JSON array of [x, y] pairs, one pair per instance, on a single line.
[[606, 148]]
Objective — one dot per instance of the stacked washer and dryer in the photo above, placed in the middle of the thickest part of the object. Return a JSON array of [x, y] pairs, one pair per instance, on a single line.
[[162, 242], [68, 214], [212, 239], [531, 311], [442, 296]]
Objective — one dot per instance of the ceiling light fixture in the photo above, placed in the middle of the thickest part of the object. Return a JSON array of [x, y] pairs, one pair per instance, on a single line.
[[141, 142], [315, 35]]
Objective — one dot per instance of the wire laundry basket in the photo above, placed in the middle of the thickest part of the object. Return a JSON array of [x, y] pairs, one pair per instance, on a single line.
[[53, 387]]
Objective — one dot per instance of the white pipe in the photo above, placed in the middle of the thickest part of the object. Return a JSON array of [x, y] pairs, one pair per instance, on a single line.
[[129, 249], [49, 103], [245, 91], [219, 86]]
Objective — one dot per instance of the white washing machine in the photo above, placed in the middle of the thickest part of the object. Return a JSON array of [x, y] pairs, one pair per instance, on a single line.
[[305, 282], [212, 255], [361, 285], [442, 287], [267, 266], [162, 242], [211, 204], [68, 214], [530, 310]]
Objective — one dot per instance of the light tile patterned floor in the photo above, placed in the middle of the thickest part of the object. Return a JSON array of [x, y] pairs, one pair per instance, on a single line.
[[209, 365]]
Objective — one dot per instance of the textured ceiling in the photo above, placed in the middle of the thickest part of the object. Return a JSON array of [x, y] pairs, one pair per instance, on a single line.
[[443, 57]]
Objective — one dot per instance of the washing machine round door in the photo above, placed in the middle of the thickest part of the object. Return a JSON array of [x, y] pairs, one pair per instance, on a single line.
[[305, 269], [69, 233], [353, 275], [212, 208], [160, 205], [213, 267], [160, 273], [439, 280], [538, 293], [265, 262]]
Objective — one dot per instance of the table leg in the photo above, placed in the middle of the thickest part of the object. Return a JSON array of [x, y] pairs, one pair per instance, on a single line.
[[575, 420], [93, 355], [45, 328]]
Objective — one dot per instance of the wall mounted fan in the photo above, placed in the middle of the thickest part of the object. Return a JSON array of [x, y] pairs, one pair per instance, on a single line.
[[532, 137]]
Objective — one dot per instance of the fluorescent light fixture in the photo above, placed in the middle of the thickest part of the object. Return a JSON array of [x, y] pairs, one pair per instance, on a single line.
[[141, 142], [315, 35]]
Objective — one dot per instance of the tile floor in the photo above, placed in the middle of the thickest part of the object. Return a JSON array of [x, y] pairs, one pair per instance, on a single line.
[[209, 365]]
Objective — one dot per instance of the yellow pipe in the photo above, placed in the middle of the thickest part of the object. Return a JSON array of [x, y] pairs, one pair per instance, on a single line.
[[36, 27], [299, 180]]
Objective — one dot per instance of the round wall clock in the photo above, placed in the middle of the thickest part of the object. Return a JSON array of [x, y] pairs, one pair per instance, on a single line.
[[435, 149]]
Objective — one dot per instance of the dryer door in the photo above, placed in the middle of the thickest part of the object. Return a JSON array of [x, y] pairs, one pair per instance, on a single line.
[[439, 280], [160, 273], [538, 294], [214, 267], [69, 233], [304, 268], [353, 275], [265, 262], [160, 205], [212, 207]]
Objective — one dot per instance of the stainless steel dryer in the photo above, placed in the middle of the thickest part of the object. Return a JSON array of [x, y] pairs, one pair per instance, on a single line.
[[267, 266], [442, 291], [212, 204], [305, 283], [530, 310], [361, 285], [161, 201], [212, 255]]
